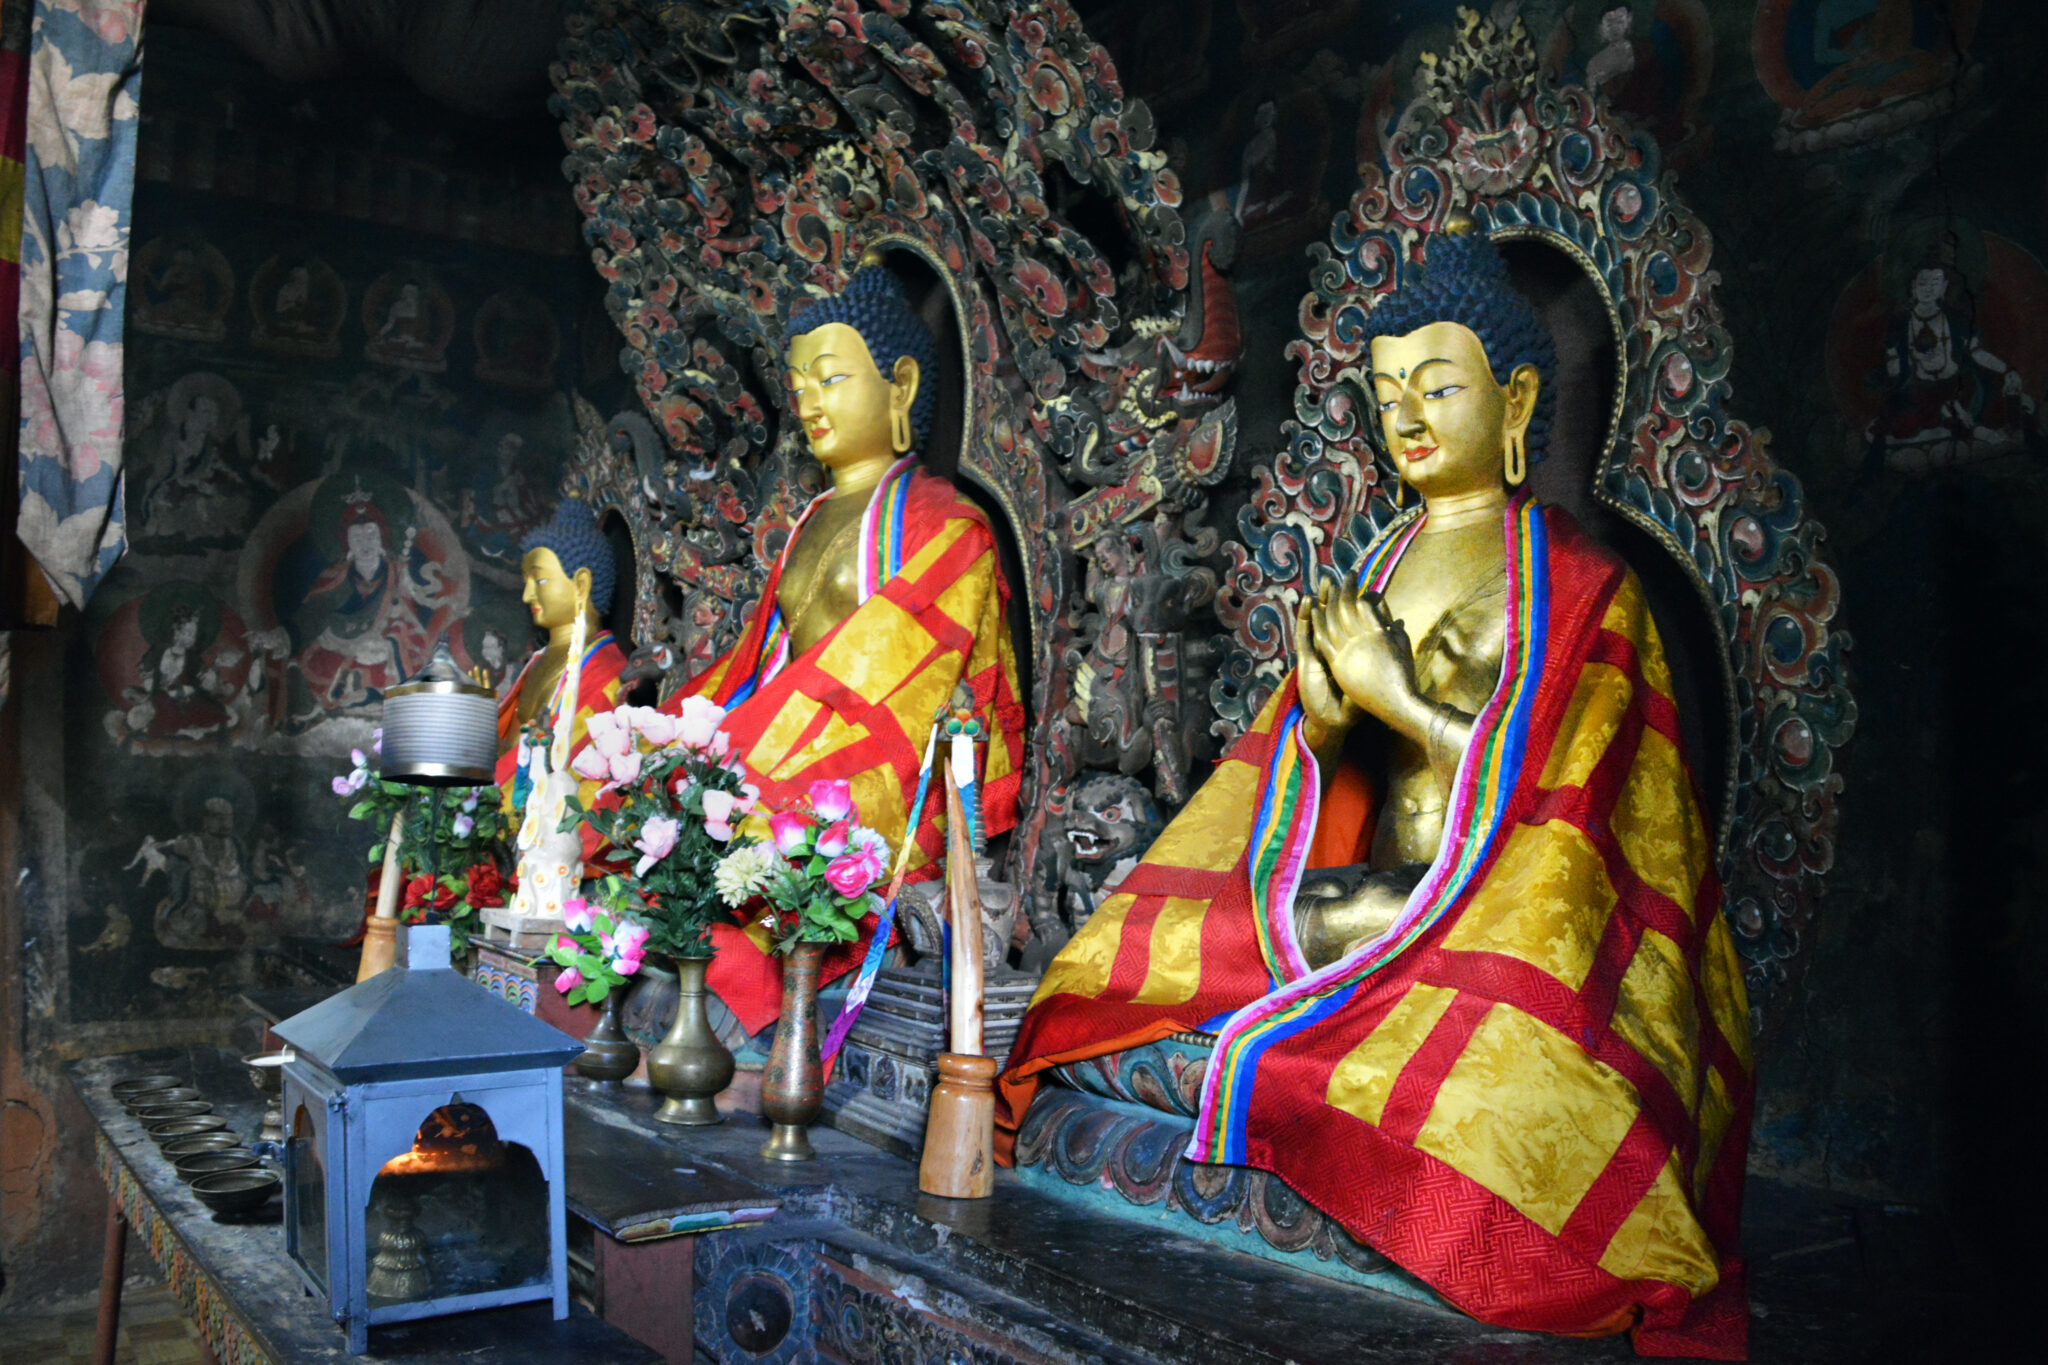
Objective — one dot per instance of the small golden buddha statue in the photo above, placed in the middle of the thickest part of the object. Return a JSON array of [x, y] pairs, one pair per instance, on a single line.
[[888, 596], [570, 578]]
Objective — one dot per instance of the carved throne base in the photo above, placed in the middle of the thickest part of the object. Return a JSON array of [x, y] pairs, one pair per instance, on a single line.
[[881, 1087], [1110, 1133], [505, 927]]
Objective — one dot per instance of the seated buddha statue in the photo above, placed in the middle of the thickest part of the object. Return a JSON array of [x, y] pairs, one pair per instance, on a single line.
[[570, 576], [1449, 906], [888, 594]]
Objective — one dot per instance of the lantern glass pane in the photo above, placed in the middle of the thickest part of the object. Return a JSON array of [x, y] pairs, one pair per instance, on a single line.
[[309, 1196]]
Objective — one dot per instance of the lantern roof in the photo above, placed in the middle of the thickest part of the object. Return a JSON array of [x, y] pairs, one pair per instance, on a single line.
[[421, 1018]]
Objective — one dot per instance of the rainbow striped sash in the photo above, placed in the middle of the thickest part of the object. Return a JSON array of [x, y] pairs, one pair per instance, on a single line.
[[1486, 778]]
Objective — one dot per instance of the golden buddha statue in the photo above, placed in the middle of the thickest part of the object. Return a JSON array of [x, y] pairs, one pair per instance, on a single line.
[[1448, 909], [887, 596], [570, 576]]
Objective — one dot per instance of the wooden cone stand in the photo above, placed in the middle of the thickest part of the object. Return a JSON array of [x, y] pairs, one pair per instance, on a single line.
[[380, 931], [959, 1139]]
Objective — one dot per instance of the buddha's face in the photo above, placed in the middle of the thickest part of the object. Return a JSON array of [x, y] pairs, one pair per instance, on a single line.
[[1444, 417], [552, 595], [843, 401]]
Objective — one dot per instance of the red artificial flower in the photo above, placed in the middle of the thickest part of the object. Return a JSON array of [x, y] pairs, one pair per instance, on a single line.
[[486, 884]]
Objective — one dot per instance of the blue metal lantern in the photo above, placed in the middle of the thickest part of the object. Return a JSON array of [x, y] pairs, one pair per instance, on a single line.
[[423, 1161]]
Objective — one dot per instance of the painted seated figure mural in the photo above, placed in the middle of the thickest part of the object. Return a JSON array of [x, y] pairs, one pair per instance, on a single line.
[[888, 594], [1449, 906]]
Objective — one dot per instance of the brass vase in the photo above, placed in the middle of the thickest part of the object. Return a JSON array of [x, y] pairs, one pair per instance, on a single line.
[[793, 1085], [609, 1056], [690, 1065]]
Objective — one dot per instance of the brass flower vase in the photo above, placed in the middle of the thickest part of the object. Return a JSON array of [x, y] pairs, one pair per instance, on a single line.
[[689, 1066], [793, 1085], [609, 1056]]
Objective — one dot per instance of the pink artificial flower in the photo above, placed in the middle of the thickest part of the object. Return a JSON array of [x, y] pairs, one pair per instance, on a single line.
[[657, 839], [355, 756], [563, 948], [578, 914], [609, 734], [698, 722], [721, 811], [832, 799], [591, 765], [656, 727], [342, 787], [622, 965], [625, 767], [721, 745], [631, 938], [569, 980], [789, 830], [833, 839], [852, 873]]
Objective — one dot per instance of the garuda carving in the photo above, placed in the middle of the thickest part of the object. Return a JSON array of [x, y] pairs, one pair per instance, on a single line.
[[1485, 135], [733, 158]]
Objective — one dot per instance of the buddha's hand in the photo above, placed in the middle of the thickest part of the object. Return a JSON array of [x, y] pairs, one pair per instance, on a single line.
[[1367, 654], [1330, 713]]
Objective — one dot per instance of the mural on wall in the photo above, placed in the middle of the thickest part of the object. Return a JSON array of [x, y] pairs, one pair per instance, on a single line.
[[184, 287], [1273, 150], [1935, 352], [183, 674], [1849, 72], [1655, 62], [297, 305], [408, 318], [365, 575], [190, 443]]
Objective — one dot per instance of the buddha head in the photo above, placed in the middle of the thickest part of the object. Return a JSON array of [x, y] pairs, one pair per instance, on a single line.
[[857, 366], [568, 568], [1461, 370]]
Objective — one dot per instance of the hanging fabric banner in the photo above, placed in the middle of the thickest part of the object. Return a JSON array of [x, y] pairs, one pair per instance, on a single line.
[[84, 78]]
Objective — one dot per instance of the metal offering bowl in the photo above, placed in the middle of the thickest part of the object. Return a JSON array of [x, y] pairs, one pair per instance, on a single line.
[[200, 1142], [266, 1070], [184, 1109], [206, 1163], [135, 1085], [241, 1191], [169, 1094], [164, 1130]]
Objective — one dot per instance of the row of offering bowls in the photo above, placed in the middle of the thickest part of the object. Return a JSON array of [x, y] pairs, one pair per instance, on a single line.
[[226, 1176]]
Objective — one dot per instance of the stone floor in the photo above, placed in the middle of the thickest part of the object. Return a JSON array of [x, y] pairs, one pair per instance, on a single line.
[[153, 1332]]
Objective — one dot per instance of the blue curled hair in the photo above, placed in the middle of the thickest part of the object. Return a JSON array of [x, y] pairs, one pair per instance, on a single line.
[[576, 541], [1465, 280], [875, 305]]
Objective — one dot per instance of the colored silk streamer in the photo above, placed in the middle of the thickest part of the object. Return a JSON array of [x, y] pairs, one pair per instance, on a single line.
[[885, 922]]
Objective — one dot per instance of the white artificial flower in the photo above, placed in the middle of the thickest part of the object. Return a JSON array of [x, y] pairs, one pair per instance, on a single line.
[[742, 873]]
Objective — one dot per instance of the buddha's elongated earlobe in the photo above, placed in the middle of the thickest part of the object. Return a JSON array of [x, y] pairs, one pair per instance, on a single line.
[[899, 429], [1516, 465]]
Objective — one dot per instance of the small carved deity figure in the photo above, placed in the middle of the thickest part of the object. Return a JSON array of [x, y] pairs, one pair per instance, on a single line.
[[570, 577], [888, 595], [1449, 905]]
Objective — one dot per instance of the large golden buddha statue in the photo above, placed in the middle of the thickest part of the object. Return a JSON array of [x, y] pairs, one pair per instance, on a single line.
[[888, 595], [1449, 906]]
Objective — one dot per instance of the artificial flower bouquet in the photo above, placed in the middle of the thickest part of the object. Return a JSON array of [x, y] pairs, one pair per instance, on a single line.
[[817, 870], [670, 791], [601, 947], [452, 851]]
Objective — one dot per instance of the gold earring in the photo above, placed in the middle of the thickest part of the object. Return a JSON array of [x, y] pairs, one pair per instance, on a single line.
[[899, 430], [1517, 462]]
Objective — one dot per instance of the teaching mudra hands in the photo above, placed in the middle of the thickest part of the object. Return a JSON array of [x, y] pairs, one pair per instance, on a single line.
[[1353, 658]]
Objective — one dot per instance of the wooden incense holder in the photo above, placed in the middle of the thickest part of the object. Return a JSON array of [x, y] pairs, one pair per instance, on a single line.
[[959, 1137], [380, 931]]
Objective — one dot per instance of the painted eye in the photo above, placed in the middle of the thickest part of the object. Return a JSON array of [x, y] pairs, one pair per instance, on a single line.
[[831, 379], [1389, 404], [1446, 391]]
